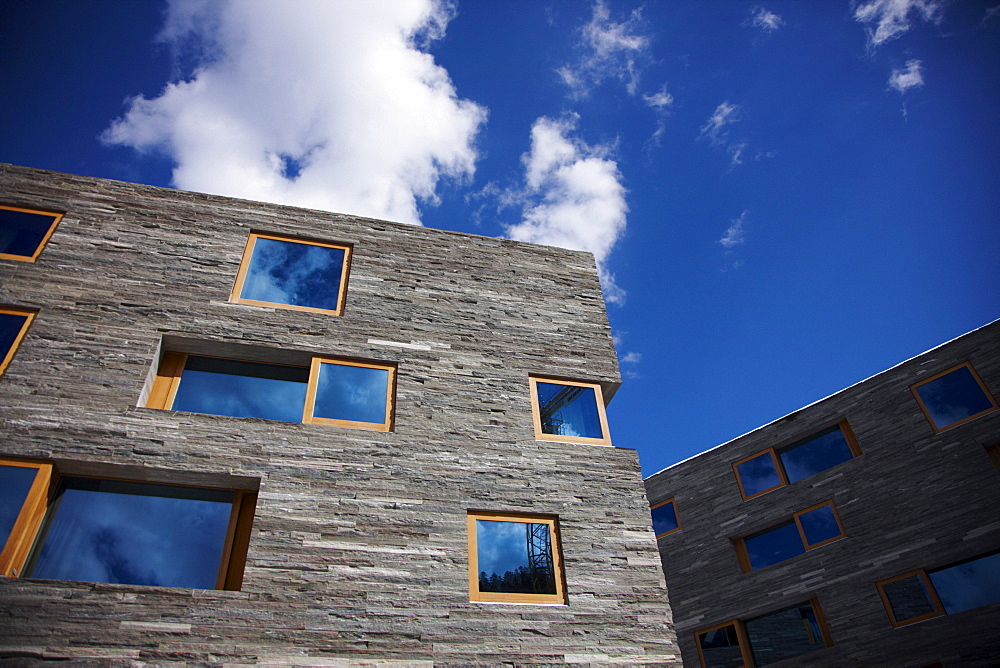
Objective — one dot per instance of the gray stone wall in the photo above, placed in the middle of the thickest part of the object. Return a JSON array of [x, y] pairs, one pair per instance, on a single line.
[[913, 499], [358, 553]]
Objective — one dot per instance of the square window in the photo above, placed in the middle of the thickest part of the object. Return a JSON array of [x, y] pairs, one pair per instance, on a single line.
[[350, 394], [293, 274], [788, 633], [24, 232], [808, 529], [758, 474], [819, 525], [953, 397], [909, 598], [569, 411], [514, 559], [14, 325], [723, 645], [664, 516]]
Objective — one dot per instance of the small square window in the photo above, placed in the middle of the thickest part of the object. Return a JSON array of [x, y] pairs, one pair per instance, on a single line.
[[808, 529], [665, 519], [722, 645], [293, 274], [514, 559], [14, 325], [350, 394], [758, 474], [24, 232], [909, 598], [953, 397], [569, 411]]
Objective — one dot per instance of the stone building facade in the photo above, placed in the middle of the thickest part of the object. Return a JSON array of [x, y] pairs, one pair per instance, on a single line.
[[350, 540], [860, 530]]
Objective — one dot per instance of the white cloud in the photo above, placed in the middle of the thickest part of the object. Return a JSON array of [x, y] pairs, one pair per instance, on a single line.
[[765, 20], [659, 100], [573, 196], [323, 104], [911, 77], [724, 115], [610, 51], [631, 358], [735, 235], [888, 19]]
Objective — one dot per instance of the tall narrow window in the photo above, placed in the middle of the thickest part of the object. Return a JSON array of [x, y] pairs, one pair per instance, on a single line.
[[569, 411], [14, 325], [808, 529], [293, 273], [514, 559], [23, 489], [664, 515], [953, 397], [24, 232]]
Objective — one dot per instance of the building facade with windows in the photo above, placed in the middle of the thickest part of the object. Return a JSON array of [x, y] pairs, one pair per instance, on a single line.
[[860, 530], [236, 432]]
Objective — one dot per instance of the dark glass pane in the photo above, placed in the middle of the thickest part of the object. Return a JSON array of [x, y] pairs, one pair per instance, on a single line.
[[242, 389], [819, 525], [15, 482], [784, 634], [908, 598], [353, 393], [818, 453], [664, 518], [721, 648], [953, 397], [299, 274], [569, 410], [774, 545], [969, 585], [514, 557], [10, 326], [758, 474], [134, 533], [21, 232]]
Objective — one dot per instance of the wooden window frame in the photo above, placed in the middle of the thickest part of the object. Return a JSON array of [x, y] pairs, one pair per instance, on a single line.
[[739, 544], [15, 551], [241, 274], [802, 533], [982, 386], [741, 639], [30, 317], [536, 413], [476, 596], [56, 219], [676, 515], [782, 479], [931, 595]]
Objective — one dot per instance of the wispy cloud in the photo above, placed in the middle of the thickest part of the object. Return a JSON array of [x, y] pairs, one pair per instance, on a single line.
[[735, 234], [327, 105], [724, 115], [911, 77], [763, 19], [572, 196], [660, 102], [629, 362], [886, 20], [609, 50]]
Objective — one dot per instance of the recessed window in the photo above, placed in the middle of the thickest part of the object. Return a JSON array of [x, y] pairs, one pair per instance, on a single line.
[[774, 468], [808, 529], [293, 273], [514, 559], [953, 397], [332, 391], [24, 232], [118, 531], [569, 411], [723, 645], [13, 326], [664, 516]]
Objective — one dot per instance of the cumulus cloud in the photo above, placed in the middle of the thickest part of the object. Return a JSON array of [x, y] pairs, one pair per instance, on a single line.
[[322, 104], [911, 77], [610, 50], [572, 196], [765, 20], [735, 234], [886, 20]]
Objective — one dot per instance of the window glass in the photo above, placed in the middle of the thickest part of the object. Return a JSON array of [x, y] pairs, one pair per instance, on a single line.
[[23, 233], [12, 327], [908, 598], [818, 453], [758, 474], [774, 545], [134, 533], [664, 518], [953, 397], [969, 585], [568, 410], [294, 273], [351, 393], [237, 388], [819, 525], [721, 647], [784, 634], [15, 483], [515, 557]]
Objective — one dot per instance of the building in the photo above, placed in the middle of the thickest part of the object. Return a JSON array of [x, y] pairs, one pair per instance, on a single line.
[[235, 432], [860, 530]]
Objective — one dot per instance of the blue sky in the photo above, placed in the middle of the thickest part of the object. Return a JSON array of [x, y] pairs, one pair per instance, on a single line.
[[784, 197]]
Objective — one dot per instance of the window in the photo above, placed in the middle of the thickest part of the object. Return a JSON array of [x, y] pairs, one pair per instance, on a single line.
[[953, 397], [722, 645], [919, 595], [293, 273], [774, 468], [665, 518], [514, 559], [118, 531], [808, 529], [359, 395], [24, 232], [13, 326], [569, 411]]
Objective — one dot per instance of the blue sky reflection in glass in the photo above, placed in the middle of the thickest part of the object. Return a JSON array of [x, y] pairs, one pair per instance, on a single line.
[[774, 545], [11, 325], [568, 410], [819, 525], [969, 585], [352, 393], [294, 273], [514, 557], [135, 533], [237, 388], [15, 483], [664, 518], [953, 397], [758, 474], [818, 453], [23, 232]]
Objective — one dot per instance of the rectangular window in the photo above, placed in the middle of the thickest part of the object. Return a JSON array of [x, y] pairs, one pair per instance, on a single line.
[[118, 531], [24, 232], [359, 395], [569, 411], [665, 519], [773, 468], [293, 274], [14, 325], [953, 397], [808, 529], [514, 558]]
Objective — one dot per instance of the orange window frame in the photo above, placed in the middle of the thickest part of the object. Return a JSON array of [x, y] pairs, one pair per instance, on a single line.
[[741, 640], [56, 219], [9, 354], [782, 478], [743, 557], [536, 413], [923, 408], [29, 519], [676, 515], [931, 595]]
